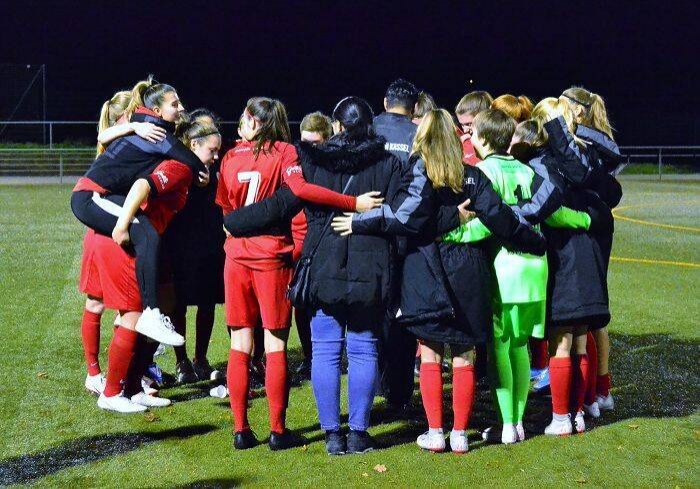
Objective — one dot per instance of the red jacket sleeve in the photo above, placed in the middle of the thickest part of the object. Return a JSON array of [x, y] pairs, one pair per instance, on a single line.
[[168, 176], [294, 178]]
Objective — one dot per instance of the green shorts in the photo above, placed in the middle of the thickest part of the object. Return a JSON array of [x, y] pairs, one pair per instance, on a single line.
[[524, 319]]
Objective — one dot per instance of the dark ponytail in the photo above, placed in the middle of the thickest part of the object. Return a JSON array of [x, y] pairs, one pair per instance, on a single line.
[[274, 127], [356, 116]]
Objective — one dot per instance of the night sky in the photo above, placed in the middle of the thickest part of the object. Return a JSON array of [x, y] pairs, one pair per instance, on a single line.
[[640, 56]]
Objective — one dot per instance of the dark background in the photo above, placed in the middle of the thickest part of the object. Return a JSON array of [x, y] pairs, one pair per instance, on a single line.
[[640, 56]]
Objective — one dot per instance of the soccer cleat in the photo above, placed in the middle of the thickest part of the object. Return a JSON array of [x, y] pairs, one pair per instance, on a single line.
[[119, 404], [579, 423], [605, 403], [542, 381], [536, 372], [185, 372], [95, 383], [432, 440], [360, 442], [204, 371], [459, 442], [592, 410], [492, 434], [336, 443], [146, 385], [243, 440], [285, 440], [158, 327], [520, 430], [144, 399], [560, 425], [509, 434]]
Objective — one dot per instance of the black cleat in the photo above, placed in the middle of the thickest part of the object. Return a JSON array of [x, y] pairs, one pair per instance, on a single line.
[[185, 372], [360, 442], [285, 440], [336, 443], [243, 440]]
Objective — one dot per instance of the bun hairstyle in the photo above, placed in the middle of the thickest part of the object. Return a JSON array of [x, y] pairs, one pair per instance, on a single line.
[[519, 108], [356, 116], [148, 93], [112, 110], [439, 147], [274, 126], [595, 114], [196, 130]]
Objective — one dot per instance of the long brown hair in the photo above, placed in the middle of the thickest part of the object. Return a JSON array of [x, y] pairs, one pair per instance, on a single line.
[[274, 126], [595, 114], [438, 145]]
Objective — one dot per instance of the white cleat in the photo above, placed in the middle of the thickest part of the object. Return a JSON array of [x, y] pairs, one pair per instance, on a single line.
[[459, 442], [520, 430], [158, 327], [95, 383], [146, 384], [509, 435], [592, 410], [579, 423], [560, 426], [605, 403], [144, 399], [432, 440], [119, 404]]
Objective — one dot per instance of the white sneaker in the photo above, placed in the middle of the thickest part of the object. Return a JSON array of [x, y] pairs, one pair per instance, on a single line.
[[159, 327], [146, 384], [592, 410], [432, 440], [520, 430], [95, 383], [605, 403], [560, 425], [144, 399], [459, 442], [119, 404], [509, 435], [579, 423]]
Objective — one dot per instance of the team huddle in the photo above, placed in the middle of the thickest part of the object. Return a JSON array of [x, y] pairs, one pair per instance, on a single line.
[[389, 237]]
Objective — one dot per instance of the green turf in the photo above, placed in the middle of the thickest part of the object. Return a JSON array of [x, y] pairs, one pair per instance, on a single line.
[[54, 435]]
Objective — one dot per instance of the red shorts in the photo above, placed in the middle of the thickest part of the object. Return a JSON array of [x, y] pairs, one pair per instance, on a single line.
[[89, 282], [117, 275], [257, 297]]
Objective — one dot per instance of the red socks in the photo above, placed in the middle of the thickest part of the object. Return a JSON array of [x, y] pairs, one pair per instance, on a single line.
[[121, 350], [560, 384], [603, 385], [238, 381], [90, 331], [579, 367], [539, 352], [276, 389], [462, 395], [591, 383], [431, 392]]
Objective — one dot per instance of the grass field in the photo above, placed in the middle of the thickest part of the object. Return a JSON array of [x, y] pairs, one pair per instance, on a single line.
[[54, 435]]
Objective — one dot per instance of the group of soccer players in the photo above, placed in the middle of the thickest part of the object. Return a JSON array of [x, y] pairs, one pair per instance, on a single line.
[[488, 230]]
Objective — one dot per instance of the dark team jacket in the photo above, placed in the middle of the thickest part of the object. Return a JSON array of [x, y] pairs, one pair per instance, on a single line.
[[131, 157], [399, 131], [423, 213]]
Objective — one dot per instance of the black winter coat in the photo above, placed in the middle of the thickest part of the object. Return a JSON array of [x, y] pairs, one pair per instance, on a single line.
[[399, 131]]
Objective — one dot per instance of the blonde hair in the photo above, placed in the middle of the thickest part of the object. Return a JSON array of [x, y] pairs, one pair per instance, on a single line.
[[519, 108], [317, 122], [595, 114], [112, 110], [137, 93], [474, 102], [543, 110], [438, 145]]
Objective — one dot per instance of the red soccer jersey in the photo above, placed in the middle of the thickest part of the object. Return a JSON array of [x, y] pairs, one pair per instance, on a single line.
[[244, 180], [170, 182], [469, 153]]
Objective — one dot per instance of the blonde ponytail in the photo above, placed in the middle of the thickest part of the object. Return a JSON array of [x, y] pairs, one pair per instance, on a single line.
[[438, 145], [595, 114], [137, 94], [112, 110]]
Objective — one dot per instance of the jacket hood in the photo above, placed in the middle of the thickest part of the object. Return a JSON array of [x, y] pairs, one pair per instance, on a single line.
[[142, 114], [338, 155]]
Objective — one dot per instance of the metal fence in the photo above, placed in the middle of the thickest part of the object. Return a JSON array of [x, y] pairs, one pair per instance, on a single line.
[[661, 160]]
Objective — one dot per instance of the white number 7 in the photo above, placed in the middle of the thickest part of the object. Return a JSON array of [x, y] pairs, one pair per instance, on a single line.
[[252, 178]]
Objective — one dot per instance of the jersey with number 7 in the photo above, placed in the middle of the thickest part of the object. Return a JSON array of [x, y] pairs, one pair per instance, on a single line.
[[245, 179]]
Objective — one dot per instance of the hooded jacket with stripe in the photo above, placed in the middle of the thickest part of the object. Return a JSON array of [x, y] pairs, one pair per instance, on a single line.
[[131, 157]]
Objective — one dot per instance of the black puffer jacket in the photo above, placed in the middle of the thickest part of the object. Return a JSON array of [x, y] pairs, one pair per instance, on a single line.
[[356, 270]]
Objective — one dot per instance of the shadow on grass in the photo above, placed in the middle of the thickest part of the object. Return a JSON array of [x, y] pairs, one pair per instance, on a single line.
[[82, 451], [212, 484]]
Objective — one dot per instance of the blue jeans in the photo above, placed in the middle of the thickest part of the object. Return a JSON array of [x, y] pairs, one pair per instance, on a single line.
[[328, 333]]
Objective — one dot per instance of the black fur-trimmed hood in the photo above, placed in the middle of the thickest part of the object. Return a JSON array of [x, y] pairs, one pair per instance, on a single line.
[[338, 155]]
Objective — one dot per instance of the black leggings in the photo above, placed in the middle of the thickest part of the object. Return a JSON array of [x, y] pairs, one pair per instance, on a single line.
[[101, 214]]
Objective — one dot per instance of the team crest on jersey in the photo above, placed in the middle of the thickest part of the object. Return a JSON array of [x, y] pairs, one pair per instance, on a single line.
[[162, 178]]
